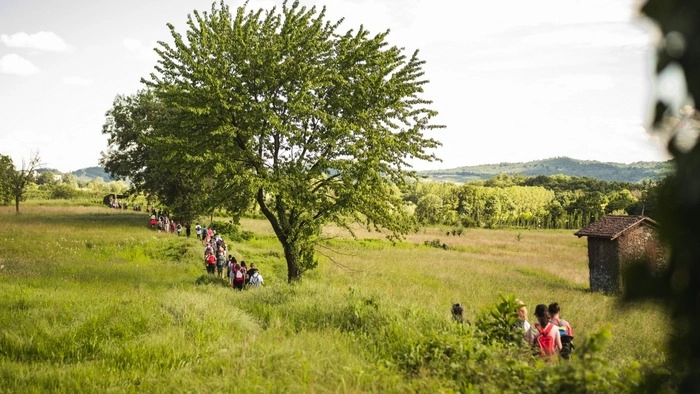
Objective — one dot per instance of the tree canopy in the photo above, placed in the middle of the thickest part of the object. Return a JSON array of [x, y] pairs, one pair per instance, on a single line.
[[13, 182], [281, 108]]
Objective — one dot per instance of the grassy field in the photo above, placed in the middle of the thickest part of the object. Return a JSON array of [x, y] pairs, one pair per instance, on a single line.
[[94, 301]]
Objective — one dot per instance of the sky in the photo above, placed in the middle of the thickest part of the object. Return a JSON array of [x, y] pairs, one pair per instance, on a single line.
[[512, 80]]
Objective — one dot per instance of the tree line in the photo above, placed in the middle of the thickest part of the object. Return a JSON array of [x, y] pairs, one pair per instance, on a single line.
[[549, 202]]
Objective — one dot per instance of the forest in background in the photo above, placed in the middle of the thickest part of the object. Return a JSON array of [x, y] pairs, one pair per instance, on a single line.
[[604, 171], [501, 201]]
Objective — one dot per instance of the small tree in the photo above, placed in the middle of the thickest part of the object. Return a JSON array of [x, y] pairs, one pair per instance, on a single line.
[[19, 179], [69, 179]]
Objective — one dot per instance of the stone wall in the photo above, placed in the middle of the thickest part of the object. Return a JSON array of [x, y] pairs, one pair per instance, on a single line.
[[603, 265], [607, 259]]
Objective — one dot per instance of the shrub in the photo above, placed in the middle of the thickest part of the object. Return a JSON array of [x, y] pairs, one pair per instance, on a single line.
[[64, 192], [231, 230], [495, 324]]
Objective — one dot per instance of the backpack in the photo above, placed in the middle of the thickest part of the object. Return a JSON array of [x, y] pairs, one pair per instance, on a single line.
[[239, 276], [567, 344], [255, 280], [544, 341]]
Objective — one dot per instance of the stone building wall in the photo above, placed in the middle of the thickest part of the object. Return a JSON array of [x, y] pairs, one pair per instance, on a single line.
[[607, 258], [603, 265], [642, 244]]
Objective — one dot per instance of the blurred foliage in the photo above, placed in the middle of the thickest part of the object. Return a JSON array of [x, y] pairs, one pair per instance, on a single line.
[[678, 286]]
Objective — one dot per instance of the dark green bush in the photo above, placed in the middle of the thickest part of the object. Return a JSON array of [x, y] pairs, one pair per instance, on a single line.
[[232, 231], [64, 192]]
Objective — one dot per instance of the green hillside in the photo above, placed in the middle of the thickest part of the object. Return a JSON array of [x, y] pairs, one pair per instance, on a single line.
[[92, 173], [634, 172]]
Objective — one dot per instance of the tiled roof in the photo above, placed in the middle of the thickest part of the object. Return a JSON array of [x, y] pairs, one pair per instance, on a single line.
[[612, 226]]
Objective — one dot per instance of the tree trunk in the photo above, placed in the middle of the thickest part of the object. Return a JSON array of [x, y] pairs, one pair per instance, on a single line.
[[16, 204], [290, 254], [293, 274]]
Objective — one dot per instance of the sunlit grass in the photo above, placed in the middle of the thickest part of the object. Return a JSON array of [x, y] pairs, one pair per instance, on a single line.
[[93, 300]]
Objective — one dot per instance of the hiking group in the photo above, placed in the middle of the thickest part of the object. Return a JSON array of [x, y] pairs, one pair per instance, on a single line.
[[551, 334], [217, 260], [161, 221]]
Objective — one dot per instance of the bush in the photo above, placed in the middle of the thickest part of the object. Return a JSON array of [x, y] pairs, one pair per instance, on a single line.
[[436, 243], [231, 230], [63, 192]]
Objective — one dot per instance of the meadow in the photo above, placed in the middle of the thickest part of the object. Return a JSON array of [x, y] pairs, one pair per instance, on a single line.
[[95, 301]]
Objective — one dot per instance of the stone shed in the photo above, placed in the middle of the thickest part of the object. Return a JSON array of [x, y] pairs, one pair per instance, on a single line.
[[616, 240]]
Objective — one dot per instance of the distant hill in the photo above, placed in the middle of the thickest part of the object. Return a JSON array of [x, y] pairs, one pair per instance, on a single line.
[[633, 173], [83, 174], [92, 173]]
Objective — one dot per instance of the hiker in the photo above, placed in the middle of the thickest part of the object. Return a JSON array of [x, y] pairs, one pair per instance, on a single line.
[[237, 278], [565, 331], [230, 264], [252, 269], [255, 277], [211, 263], [244, 268], [208, 250], [544, 335], [220, 260], [522, 324], [198, 230], [457, 312]]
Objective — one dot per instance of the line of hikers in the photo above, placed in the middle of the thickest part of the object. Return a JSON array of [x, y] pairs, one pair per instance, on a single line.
[[551, 334], [217, 260]]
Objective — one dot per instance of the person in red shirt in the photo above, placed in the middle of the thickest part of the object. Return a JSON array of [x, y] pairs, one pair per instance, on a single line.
[[211, 263]]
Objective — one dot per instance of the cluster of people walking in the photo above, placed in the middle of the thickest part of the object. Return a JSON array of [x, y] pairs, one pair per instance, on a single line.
[[551, 334], [219, 262], [161, 221]]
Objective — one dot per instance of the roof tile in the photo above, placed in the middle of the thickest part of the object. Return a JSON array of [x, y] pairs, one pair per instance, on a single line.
[[612, 226]]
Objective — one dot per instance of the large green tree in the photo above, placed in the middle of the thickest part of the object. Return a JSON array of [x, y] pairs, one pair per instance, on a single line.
[[315, 125]]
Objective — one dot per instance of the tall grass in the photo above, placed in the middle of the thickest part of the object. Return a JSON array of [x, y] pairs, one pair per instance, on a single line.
[[94, 301]]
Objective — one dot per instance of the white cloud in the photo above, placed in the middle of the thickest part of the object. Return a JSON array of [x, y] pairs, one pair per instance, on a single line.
[[16, 65], [139, 48], [79, 81], [43, 40]]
